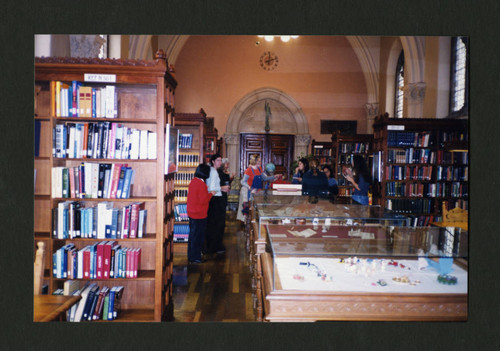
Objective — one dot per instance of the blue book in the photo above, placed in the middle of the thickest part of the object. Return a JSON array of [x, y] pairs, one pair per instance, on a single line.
[[125, 193], [121, 180], [111, 302]]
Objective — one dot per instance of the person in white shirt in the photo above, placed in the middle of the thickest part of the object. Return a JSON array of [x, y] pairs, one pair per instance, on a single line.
[[216, 210]]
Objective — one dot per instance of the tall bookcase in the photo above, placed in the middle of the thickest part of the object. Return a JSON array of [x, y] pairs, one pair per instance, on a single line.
[[139, 99], [210, 139], [345, 147], [191, 152], [418, 164], [324, 151]]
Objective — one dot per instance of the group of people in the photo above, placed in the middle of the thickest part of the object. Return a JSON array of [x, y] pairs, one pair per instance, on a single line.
[[206, 208], [207, 195], [320, 181]]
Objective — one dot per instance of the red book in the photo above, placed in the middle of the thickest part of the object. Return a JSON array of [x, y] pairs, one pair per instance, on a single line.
[[107, 258], [86, 263], [137, 262], [134, 218], [115, 177], [126, 223], [99, 260], [128, 265], [85, 136]]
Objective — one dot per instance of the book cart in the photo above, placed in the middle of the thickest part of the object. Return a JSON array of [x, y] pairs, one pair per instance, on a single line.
[[138, 95], [191, 151], [327, 261], [419, 163]]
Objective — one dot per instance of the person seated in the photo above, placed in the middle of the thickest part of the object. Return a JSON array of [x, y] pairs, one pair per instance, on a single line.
[[314, 182], [333, 187], [301, 169]]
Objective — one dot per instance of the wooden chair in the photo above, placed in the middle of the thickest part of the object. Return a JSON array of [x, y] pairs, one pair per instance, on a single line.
[[456, 217], [39, 268]]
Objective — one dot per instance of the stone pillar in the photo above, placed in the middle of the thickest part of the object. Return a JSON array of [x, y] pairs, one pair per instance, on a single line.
[[42, 45], [414, 94], [114, 46], [371, 114], [233, 152], [302, 142]]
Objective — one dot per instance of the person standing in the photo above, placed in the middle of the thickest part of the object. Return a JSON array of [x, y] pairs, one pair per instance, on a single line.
[[254, 177], [197, 208], [314, 182], [225, 179], [360, 178], [216, 210]]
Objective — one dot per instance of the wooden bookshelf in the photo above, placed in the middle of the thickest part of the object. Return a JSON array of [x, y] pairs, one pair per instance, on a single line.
[[345, 147], [324, 151], [190, 156], [210, 139], [144, 93], [422, 163]]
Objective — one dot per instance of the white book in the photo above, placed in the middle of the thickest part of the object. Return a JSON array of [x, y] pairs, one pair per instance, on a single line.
[[79, 140], [82, 303], [98, 103], [71, 141], [151, 145], [103, 218], [88, 179], [134, 151], [143, 145], [110, 101], [103, 101]]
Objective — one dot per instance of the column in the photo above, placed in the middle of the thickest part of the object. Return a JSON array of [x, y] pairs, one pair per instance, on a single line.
[[371, 114], [414, 94], [302, 142], [233, 149]]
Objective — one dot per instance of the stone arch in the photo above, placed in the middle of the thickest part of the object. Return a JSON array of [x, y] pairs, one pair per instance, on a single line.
[[248, 115]]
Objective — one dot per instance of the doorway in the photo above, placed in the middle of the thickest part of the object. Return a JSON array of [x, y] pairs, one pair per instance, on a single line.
[[274, 148]]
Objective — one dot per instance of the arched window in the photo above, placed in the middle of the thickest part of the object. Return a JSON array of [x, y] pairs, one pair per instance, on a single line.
[[398, 99], [459, 78]]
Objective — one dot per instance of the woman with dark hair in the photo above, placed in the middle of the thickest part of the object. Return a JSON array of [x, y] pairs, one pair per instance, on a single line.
[[197, 207], [301, 169], [333, 187], [314, 182], [360, 178]]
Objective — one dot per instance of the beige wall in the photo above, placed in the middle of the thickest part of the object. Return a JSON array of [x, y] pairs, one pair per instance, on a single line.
[[321, 73]]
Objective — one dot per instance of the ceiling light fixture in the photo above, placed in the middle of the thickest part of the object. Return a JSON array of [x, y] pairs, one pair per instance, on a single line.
[[284, 38]]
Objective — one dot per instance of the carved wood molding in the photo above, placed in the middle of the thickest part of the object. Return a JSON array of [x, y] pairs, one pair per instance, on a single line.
[[97, 61]]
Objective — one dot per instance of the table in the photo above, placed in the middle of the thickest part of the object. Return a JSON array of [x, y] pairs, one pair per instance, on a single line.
[[47, 308]]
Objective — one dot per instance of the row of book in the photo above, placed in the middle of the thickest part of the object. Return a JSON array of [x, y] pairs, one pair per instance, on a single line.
[[415, 139], [345, 191], [411, 155], [76, 100], [102, 140], [318, 150], [183, 178], [70, 219], [408, 172], [180, 213], [451, 173], [455, 189], [93, 181], [415, 205], [447, 136], [100, 260], [191, 159], [185, 141], [422, 221], [180, 194], [355, 148], [181, 232], [96, 303]]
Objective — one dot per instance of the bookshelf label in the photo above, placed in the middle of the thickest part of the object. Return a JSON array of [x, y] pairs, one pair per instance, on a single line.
[[95, 77], [395, 127]]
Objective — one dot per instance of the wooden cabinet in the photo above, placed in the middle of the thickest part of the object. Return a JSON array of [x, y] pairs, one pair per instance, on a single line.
[[191, 152], [418, 164], [345, 146], [139, 96]]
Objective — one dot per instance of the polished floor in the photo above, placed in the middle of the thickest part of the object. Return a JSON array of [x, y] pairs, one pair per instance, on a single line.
[[218, 290]]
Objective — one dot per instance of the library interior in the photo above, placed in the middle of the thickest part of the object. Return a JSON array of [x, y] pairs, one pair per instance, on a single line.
[[345, 160]]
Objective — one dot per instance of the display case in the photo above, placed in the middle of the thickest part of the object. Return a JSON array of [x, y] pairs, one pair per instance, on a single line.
[[364, 272]]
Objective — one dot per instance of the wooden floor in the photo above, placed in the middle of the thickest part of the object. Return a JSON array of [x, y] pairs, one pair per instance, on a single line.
[[218, 290]]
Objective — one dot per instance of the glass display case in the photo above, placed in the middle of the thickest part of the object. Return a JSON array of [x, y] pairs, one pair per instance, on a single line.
[[321, 260], [297, 209], [364, 272]]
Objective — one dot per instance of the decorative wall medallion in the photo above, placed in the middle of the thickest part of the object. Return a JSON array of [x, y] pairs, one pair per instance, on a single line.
[[269, 60]]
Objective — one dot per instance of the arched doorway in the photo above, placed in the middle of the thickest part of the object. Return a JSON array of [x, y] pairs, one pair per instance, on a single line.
[[249, 116]]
